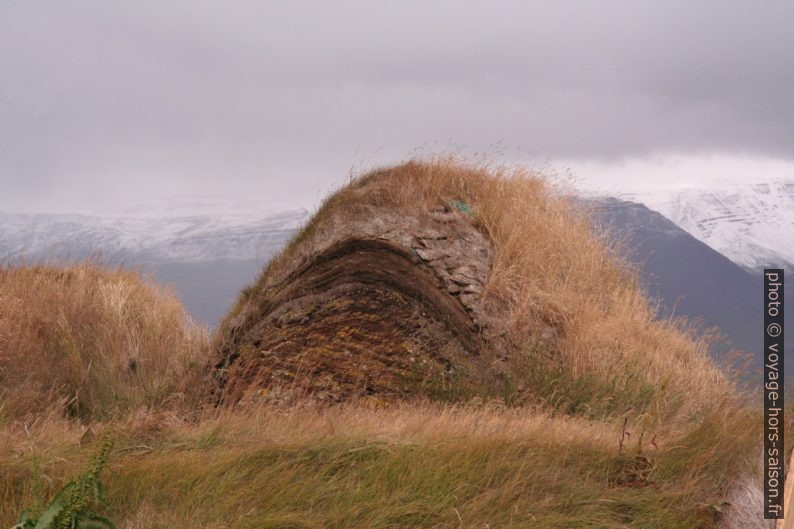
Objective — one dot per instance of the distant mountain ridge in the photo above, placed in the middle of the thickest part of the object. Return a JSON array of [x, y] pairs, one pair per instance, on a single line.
[[687, 277], [750, 223], [208, 258], [181, 238]]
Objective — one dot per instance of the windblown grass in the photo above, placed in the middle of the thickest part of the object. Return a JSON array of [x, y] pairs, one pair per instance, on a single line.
[[411, 465], [116, 352], [93, 341], [612, 354]]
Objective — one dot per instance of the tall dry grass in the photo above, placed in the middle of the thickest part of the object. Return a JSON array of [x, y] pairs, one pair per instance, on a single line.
[[415, 464], [101, 344], [551, 264], [93, 341]]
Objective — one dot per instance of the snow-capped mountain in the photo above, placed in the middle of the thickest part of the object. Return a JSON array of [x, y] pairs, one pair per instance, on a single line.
[[750, 223], [208, 249], [686, 277], [162, 235]]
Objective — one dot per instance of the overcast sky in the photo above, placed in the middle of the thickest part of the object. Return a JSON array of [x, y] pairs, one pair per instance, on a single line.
[[105, 102]]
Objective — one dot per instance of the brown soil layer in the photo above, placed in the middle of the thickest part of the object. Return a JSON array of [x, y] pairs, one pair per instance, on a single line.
[[382, 310]]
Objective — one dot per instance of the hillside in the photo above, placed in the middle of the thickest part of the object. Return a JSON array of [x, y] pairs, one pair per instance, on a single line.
[[747, 221], [501, 264], [442, 345], [687, 277]]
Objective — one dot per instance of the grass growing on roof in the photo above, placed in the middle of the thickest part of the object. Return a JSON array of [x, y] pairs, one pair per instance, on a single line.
[[550, 265]]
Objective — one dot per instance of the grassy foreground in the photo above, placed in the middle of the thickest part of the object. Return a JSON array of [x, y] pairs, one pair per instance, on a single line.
[[413, 465]]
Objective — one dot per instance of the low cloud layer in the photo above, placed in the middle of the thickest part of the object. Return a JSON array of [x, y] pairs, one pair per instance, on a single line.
[[105, 100]]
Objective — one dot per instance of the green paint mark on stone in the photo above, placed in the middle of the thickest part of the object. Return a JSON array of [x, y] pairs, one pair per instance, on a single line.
[[463, 207]]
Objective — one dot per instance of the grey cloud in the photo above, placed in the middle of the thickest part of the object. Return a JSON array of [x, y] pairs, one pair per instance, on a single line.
[[101, 99]]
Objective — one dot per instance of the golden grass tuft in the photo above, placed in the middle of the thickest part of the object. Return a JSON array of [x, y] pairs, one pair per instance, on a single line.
[[92, 341]]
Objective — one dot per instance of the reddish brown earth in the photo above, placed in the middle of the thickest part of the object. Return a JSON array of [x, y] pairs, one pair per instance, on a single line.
[[380, 309]]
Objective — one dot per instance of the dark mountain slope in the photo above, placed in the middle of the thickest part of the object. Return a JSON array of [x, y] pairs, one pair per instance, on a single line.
[[687, 277]]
